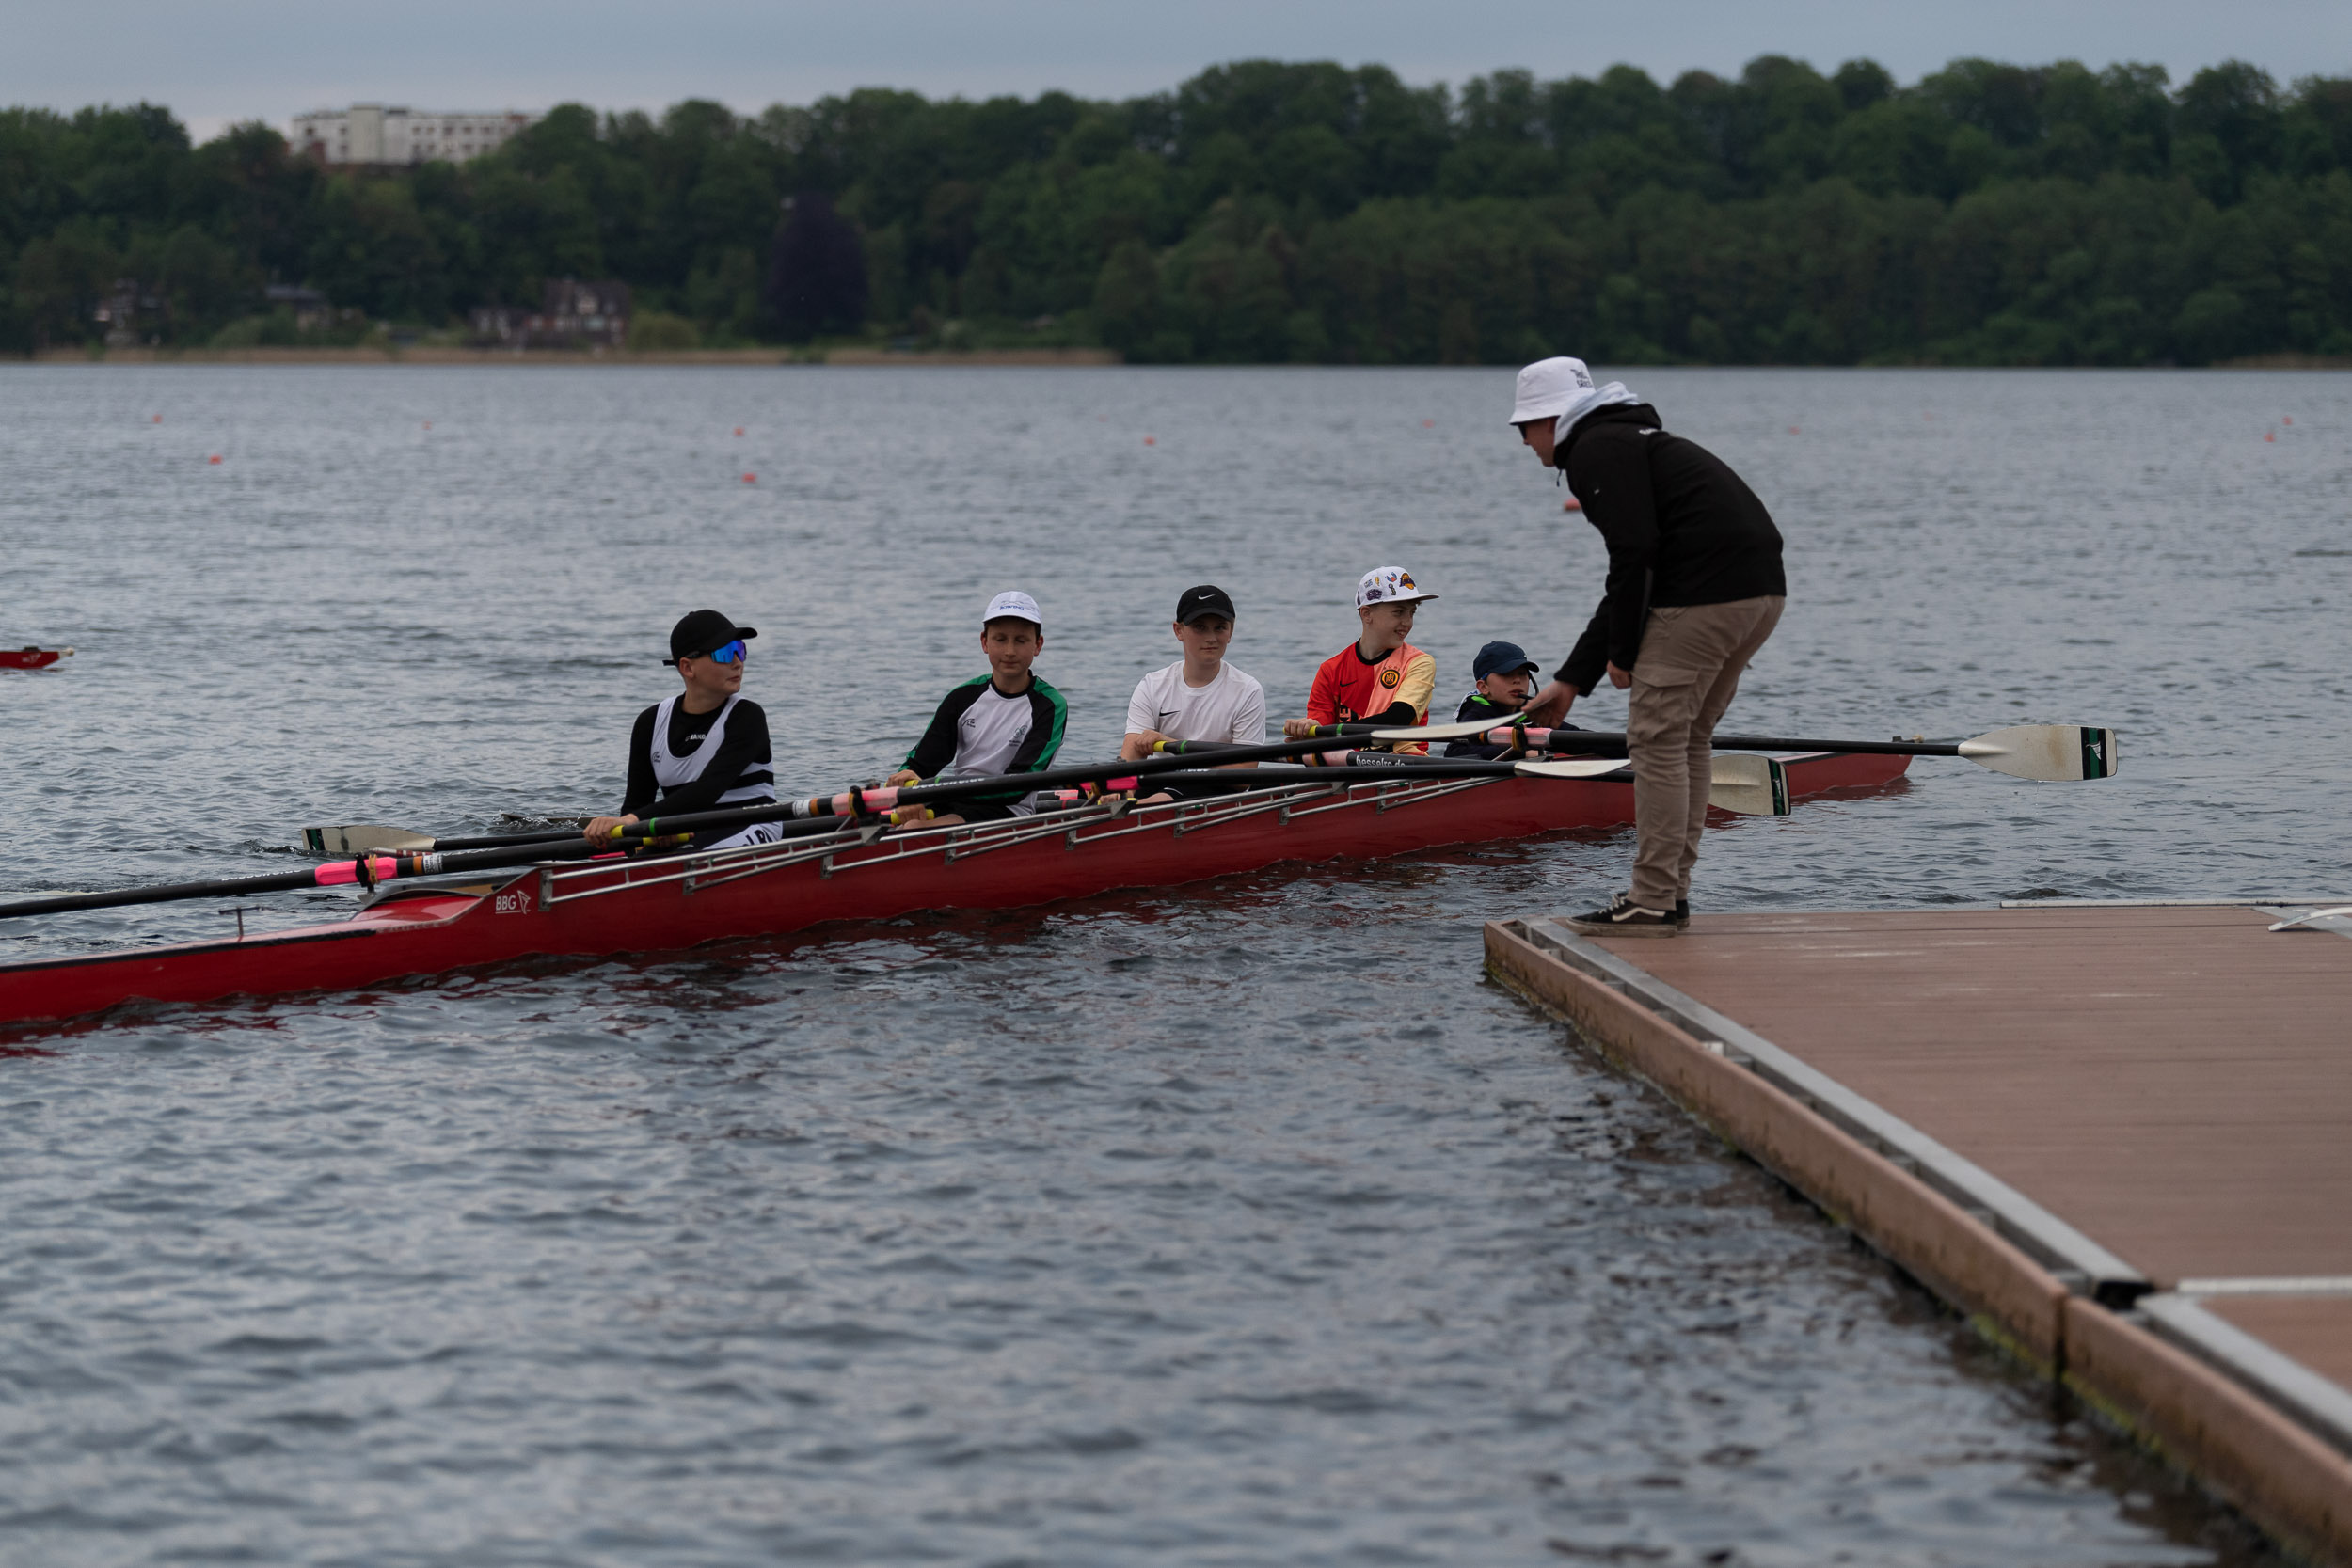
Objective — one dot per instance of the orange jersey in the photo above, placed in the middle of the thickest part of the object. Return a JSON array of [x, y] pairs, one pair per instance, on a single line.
[[1346, 689]]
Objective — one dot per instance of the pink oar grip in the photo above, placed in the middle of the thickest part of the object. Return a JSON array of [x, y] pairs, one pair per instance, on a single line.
[[873, 800], [340, 872]]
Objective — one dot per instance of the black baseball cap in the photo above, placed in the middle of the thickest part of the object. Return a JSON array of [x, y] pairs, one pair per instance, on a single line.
[[1207, 599], [1501, 659], [702, 631]]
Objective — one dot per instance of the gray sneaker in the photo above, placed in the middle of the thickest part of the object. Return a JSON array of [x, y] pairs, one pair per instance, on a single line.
[[1623, 918]]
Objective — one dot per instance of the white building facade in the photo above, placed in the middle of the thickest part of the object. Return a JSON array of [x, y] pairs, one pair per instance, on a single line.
[[393, 133]]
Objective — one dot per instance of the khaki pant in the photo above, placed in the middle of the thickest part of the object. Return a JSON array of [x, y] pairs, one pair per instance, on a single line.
[[1684, 678]]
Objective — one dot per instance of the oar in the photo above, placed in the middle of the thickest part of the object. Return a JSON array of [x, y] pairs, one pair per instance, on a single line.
[[364, 838], [374, 838], [1744, 785], [2052, 752], [368, 870]]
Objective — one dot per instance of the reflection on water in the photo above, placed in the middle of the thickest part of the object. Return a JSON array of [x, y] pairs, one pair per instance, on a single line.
[[1231, 1224]]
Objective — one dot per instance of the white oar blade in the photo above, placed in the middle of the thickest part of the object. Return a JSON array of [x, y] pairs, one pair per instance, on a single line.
[[1749, 785], [363, 838], [1581, 767], [1440, 732], [2054, 753]]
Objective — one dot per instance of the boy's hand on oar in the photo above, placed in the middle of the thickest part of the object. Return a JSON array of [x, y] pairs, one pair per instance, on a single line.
[[600, 829], [903, 776]]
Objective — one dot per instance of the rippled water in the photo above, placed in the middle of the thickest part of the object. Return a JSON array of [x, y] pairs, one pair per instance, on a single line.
[[1233, 1225]]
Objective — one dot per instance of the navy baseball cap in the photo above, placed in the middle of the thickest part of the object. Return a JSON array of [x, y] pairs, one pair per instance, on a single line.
[[1501, 659], [701, 631], [1207, 599]]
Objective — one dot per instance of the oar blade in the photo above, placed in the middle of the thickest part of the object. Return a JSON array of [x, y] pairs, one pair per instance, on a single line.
[[1581, 767], [1749, 785], [2052, 752], [363, 838]]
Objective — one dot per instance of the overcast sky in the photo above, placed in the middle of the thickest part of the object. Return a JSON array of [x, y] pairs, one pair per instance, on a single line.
[[225, 60]]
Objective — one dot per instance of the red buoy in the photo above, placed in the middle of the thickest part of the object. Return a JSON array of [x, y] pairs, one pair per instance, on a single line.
[[1429, 424], [159, 419], [2267, 436], [1571, 504], [1792, 430], [1151, 441], [738, 430], [215, 458], [751, 479]]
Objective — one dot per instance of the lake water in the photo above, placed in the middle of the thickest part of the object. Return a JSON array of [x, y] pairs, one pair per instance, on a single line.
[[1238, 1223]]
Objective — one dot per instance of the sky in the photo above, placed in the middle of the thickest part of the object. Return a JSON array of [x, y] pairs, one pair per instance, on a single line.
[[226, 61]]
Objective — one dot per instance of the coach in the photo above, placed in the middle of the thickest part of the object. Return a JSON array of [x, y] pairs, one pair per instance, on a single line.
[[1694, 588]]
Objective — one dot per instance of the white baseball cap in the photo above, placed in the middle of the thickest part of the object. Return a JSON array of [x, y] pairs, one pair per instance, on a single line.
[[1388, 585], [1014, 603], [1547, 386]]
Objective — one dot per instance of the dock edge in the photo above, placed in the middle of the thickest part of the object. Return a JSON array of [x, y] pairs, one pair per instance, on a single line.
[[2050, 1297]]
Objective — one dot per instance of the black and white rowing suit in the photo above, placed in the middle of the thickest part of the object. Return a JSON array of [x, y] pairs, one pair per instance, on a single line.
[[681, 762]]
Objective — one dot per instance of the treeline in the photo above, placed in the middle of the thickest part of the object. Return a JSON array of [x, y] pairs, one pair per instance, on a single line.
[[1988, 214]]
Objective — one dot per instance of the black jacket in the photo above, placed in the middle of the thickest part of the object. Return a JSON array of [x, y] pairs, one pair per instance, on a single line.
[[1681, 528]]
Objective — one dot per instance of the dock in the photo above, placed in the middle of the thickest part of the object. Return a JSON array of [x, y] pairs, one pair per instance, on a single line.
[[2117, 1136]]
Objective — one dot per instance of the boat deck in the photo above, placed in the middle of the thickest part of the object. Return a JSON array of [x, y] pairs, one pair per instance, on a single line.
[[2120, 1135]]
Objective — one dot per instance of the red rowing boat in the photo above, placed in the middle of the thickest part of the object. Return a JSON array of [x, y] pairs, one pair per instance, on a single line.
[[30, 657], [672, 902]]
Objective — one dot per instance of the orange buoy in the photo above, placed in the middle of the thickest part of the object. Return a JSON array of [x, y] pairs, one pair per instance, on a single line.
[[159, 418], [428, 424], [1429, 424], [1151, 441], [738, 430], [215, 458], [1571, 504], [2270, 434], [1792, 430], [751, 479]]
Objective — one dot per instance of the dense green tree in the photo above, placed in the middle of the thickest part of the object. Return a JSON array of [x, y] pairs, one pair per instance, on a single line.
[[1991, 213]]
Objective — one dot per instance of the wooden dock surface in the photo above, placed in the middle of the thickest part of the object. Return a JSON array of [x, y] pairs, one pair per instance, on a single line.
[[2121, 1136]]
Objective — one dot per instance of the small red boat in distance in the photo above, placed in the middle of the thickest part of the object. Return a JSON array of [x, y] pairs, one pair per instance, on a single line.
[[30, 657]]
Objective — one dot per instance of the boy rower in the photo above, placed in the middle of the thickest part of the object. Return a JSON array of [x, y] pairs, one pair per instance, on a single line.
[[1006, 721], [1199, 697], [705, 749], [1381, 676], [1507, 678]]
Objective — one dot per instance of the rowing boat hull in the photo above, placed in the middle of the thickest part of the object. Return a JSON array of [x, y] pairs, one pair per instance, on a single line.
[[30, 658], [603, 908]]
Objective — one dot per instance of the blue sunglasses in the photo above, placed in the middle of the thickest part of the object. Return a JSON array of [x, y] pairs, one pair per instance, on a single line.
[[727, 653]]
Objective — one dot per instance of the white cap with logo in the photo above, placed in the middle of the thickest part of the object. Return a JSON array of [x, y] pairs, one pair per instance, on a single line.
[[1562, 388], [1388, 585], [1014, 605]]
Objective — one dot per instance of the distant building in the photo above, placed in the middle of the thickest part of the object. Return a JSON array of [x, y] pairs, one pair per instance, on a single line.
[[393, 133], [572, 314], [119, 311], [310, 308]]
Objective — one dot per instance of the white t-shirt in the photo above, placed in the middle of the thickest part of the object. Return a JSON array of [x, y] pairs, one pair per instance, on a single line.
[[990, 732], [1230, 708]]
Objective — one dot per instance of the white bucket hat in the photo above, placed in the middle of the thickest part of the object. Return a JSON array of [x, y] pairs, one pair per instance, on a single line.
[[1562, 388], [1388, 585], [1015, 605]]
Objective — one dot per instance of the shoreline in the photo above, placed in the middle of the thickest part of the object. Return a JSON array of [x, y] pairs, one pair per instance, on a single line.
[[1085, 359], [440, 354]]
